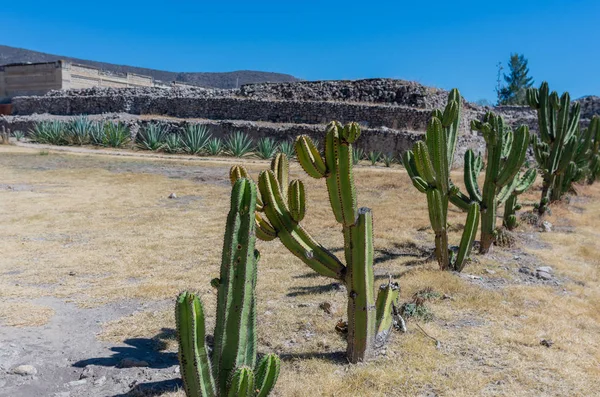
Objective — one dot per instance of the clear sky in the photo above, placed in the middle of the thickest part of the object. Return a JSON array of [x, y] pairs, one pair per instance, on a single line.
[[440, 43]]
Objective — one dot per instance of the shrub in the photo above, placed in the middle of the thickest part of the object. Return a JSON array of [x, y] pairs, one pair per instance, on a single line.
[[287, 148], [19, 135], [49, 132], [388, 159], [357, 155], [374, 157], [97, 135], [172, 143], [116, 134], [238, 144], [78, 131], [214, 147], [194, 138], [266, 148], [152, 137]]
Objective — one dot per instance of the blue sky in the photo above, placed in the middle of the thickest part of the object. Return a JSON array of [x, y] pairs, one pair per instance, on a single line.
[[440, 43]]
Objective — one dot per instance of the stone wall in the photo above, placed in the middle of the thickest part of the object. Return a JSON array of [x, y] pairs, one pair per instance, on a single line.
[[30, 79]]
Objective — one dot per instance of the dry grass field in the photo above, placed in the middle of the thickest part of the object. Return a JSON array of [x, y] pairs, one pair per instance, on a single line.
[[96, 230]]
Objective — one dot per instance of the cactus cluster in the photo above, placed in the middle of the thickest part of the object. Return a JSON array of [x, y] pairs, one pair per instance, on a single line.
[[232, 368], [593, 131], [557, 143], [428, 166], [505, 156], [283, 209]]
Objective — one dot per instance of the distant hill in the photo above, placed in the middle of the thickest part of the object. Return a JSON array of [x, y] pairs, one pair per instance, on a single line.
[[203, 79]]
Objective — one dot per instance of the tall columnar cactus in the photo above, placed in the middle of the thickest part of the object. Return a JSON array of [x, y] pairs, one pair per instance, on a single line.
[[428, 166], [232, 369], [558, 123], [505, 156], [521, 183], [594, 162], [284, 207]]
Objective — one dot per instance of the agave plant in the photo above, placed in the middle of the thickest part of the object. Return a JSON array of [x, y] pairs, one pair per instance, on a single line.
[[214, 147], [357, 155], [238, 144], [287, 148], [388, 159], [194, 138], [78, 131], [116, 134], [19, 135], [97, 135], [152, 137], [266, 148], [172, 143], [374, 157], [49, 132]]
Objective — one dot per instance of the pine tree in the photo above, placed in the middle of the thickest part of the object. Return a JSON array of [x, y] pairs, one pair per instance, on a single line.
[[517, 82]]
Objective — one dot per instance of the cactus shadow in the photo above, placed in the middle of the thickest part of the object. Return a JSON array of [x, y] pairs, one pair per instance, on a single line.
[[151, 389], [316, 289], [403, 250], [150, 350], [336, 357]]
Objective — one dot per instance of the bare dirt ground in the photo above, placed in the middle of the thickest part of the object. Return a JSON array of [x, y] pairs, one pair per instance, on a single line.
[[93, 253]]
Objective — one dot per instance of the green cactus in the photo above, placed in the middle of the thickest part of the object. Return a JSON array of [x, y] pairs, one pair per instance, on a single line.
[[284, 207], [555, 146], [521, 183], [428, 166], [593, 131], [505, 155], [229, 371]]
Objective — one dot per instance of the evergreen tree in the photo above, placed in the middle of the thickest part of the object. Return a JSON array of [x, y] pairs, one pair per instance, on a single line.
[[517, 82]]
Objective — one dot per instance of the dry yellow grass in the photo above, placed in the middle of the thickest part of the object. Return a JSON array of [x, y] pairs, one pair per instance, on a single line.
[[95, 229]]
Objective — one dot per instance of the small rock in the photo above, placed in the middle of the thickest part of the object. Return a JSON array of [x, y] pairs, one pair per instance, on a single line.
[[524, 270], [79, 382], [516, 257], [101, 380], [62, 394], [546, 342], [489, 271], [24, 370], [543, 275], [546, 227], [172, 196], [446, 296], [546, 269], [327, 307], [132, 362], [71, 273], [87, 372]]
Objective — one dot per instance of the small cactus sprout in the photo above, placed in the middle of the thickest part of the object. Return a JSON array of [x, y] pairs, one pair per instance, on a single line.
[[284, 208], [232, 369], [428, 166], [556, 144], [522, 183], [505, 155]]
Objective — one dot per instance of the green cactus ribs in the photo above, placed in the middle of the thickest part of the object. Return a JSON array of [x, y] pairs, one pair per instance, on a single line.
[[232, 369], [506, 152], [556, 145], [428, 166], [284, 208]]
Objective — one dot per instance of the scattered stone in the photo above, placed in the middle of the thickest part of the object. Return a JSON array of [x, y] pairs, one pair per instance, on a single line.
[[525, 270], [87, 372], [101, 380], [543, 275], [546, 227], [489, 271], [446, 296], [72, 273], [172, 196], [62, 394], [547, 269], [327, 307], [546, 342], [24, 370], [132, 362], [79, 382]]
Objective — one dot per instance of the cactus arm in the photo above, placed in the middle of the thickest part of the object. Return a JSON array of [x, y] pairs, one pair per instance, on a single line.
[[361, 301], [525, 181], [437, 145], [506, 191], [309, 157], [242, 383], [470, 176], [387, 298], [423, 163], [193, 355], [437, 218], [234, 331], [509, 218], [451, 119], [515, 158], [457, 198], [346, 189], [267, 373], [292, 234], [408, 160], [239, 171], [297, 200], [264, 230], [332, 147], [468, 236], [280, 167]]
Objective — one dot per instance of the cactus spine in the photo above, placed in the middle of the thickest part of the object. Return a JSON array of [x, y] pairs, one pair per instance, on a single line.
[[229, 372], [428, 166], [558, 123], [284, 207], [505, 155]]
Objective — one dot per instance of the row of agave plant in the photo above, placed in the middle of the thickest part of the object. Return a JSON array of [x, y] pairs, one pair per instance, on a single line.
[[275, 207]]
